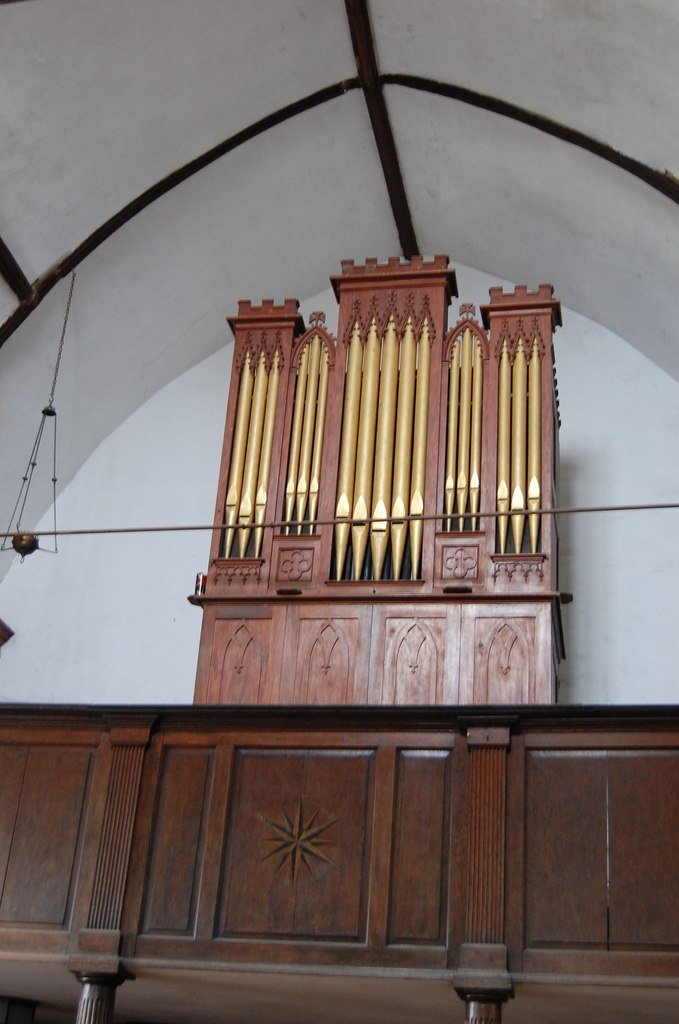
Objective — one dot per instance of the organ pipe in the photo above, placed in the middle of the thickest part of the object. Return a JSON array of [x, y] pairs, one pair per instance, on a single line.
[[503, 444], [246, 506], [347, 462], [519, 396], [400, 495], [534, 443], [233, 490], [451, 438], [296, 437], [464, 425], [319, 431], [267, 447], [418, 474], [475, 457], [365, 448], [308, 432], [384, 449]]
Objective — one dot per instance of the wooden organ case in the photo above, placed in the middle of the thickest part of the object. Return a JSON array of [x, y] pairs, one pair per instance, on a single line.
[[380, 535]]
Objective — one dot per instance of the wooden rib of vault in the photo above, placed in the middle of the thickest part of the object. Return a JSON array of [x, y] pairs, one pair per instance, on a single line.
[[380, 536]]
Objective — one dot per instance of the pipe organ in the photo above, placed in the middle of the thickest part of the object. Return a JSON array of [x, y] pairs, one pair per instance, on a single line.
[[382, 528]]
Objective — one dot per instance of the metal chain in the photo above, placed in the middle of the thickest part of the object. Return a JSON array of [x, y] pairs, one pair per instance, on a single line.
[[61, 343]]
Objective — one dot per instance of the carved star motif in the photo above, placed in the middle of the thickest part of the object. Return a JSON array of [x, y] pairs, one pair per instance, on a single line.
[[297, 841]]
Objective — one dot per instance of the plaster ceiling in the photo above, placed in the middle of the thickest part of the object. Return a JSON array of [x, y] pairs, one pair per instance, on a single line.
[[184, 155]]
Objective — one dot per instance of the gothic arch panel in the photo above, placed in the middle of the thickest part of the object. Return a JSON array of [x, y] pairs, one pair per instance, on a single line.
[[239, 661]]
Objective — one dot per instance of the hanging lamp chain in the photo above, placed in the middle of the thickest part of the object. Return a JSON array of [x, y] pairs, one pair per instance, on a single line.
[[25, 543], [50, 404]]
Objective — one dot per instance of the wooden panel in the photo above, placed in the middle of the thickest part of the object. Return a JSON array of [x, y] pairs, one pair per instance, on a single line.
[[240, 657], [504, 651], [171, 886], [12, 766], [414, 655], [644, 849], [40, 871], [297, 844], [420, 844], [328, 651], [565, 849]]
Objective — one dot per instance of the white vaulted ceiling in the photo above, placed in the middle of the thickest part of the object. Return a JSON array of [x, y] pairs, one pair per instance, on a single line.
[[182, 155]]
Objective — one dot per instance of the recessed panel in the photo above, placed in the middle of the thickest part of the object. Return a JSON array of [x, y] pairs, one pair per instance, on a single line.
[[171, 885], [40, 869], [297, 845], [565, 850], [418, 886], [644, 850]]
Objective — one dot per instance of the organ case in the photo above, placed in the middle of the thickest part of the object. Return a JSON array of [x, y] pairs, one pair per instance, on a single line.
[[382, 528]]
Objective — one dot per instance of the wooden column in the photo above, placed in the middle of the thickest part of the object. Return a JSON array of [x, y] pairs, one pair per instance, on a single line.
[[483, 1011], [97, 960], [482, 979], [97, 997]]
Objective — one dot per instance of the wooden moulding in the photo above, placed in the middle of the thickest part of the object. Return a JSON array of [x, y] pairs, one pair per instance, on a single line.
[[411, 839]]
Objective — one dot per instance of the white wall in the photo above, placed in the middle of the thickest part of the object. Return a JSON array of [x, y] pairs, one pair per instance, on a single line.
[[107, 620]]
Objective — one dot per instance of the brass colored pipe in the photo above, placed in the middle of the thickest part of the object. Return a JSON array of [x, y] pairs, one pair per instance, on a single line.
[[319, 434], [240, 436], [347, 460], [384, 449], [246, 508], [534, 442], [267, 447], [296, 436], [519, 397], [451, 434], [400, 495], [419, 470], [475, 460], [365, 448], [465, 426], [503, 444], [308, 432]]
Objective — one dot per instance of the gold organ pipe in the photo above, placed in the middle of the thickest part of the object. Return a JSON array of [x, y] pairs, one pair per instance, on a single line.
[[519, 397], [308, 432], [464, 429], [451, 438], [267, 447], [319, 434], [419, 469], [400, 495], [240, 436], [296, 436], [365, 447], [503, 444], [246, 508], [534, 442], [347, 460], [384, 449], [475, 458]]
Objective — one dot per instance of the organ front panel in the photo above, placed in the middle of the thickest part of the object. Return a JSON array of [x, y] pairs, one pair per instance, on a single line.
[[382, 529]]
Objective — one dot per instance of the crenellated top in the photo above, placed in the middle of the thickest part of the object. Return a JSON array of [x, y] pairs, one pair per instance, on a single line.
[[396, 272], [524, 300]]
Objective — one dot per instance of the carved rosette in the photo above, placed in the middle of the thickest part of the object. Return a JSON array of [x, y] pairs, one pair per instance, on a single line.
[[460, 562], [295, 565]]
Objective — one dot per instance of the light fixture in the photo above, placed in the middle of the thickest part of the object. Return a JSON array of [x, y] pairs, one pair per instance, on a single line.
[[25, 542]]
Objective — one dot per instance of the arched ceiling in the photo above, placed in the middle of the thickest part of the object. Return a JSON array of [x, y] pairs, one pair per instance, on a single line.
[[182, 155]]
